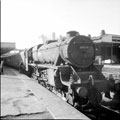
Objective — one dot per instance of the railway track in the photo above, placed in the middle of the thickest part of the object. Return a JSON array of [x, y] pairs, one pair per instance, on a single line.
[[100, 113]]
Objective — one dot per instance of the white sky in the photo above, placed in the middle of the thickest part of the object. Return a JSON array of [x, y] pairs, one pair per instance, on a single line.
[[23, 21]]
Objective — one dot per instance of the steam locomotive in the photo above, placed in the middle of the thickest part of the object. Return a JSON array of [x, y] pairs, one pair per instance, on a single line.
[[66, 67]]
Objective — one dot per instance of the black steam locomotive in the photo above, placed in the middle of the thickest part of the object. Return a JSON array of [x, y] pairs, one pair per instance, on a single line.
[[66, 67]]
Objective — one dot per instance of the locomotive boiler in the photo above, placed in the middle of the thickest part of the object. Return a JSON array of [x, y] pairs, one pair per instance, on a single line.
[[77, 51], [67, 68]]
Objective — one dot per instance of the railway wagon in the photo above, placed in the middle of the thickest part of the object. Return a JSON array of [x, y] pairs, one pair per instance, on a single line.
[[13, 60]]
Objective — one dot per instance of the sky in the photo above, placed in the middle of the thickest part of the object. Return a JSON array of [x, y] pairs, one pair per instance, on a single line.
[[24, 21]]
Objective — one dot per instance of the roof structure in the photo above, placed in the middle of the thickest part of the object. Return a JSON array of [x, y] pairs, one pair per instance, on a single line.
[[107, 38]]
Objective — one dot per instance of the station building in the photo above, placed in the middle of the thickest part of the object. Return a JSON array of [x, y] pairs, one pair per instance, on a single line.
[[108, 54], [107, 48]]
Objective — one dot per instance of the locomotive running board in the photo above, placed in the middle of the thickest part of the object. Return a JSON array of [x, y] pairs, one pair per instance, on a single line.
[[44, 66]]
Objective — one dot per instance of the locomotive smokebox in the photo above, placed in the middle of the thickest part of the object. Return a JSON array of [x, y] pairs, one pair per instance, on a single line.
[[78, 51]]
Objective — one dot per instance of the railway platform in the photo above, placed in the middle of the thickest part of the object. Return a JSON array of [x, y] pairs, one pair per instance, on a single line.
[[23, 98]]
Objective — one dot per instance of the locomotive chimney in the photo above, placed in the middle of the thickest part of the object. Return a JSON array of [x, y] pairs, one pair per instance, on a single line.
[[102, 32], [89, 35]]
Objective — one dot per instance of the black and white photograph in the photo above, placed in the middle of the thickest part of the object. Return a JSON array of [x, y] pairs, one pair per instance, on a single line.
[[60, 59]]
